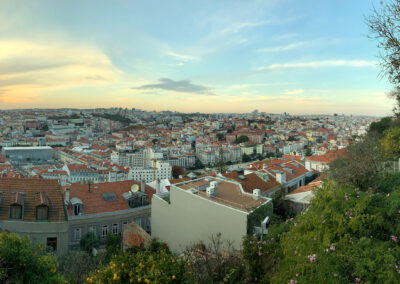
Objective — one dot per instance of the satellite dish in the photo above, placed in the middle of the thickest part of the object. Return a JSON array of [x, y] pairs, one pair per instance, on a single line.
[[134, 188]]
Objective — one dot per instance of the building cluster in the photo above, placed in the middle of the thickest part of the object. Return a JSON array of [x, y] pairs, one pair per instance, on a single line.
[[66, 173]]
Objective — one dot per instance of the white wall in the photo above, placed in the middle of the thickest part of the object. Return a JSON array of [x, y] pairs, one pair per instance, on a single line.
[[190, 218]]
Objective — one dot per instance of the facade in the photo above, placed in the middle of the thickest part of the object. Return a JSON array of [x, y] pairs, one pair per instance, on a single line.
[[161, 170], [321, 163], [196, 210], [34, 208], [28, 154], [105, 207]]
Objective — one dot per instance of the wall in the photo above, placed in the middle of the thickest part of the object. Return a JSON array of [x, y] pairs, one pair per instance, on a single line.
[[189, 218], [38, 232]]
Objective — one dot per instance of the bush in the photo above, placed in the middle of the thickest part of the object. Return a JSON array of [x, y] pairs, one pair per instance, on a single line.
[[22, 262], [142, 267], [88, 242]]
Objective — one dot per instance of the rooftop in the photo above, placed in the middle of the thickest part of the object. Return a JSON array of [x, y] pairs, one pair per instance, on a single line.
[[228, 193]]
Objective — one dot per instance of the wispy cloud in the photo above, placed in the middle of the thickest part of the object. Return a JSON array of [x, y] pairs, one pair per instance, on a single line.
[[182, 57], [183, 86], [320, 64], [237, 27], [282, 47], [294, 92]]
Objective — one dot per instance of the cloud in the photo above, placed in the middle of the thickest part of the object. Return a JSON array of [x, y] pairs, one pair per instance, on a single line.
[[320, 64], [183, 86], [237, 27], [30, 68], [182, 57], [282, 48], [293, 92]]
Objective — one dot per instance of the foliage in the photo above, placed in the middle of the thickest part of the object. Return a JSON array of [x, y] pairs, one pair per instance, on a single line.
[[361, 165], [22, 262], [308, 151], [154, 141], [378, 127], [198, 164], [220, 136], [215, 263], [220, 164], [246, 158], [76, 265], [113, 245], [391, 143], [177, 171], [255, 218], [241, 139], [88, 242], [292, 138], [347, 235], [143, 267]]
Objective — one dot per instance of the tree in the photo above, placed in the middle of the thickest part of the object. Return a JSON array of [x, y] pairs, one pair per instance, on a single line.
[[391, 143], [154, 141], [198, 164], [88, 242], [177, 171], [113, 245], [144, 266], [361, 165], [246, 158], [378, 127], [308, 151], [220, 163], [220, 136], [292, 138], [22, 262], [242, 139], [384, 25]]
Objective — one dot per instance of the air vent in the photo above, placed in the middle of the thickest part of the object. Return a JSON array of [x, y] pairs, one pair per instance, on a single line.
[[241, 177]]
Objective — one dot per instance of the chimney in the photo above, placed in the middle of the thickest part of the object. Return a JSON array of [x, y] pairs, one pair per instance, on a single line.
[[142, 186], [281, 177], [66, 201], [256, 194], [211, 191]]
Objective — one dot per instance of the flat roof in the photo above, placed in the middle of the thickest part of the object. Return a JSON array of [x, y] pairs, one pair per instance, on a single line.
[[229, 193], [28, 148]]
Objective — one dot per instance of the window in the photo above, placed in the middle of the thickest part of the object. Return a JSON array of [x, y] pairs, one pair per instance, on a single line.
[[41, 213], [77, 209], [52, 242], [148, 223], [93, 229], [139, 221], [77, 234], [125, 222], [15, 212], [104, 231], [115, 229]]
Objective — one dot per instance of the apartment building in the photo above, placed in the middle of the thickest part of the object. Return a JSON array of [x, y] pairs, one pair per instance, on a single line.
[[34, 207], [195, 210], [104, 208]]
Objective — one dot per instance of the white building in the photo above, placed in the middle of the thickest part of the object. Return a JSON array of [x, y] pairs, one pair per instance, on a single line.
[[160, 170], [195, 210]]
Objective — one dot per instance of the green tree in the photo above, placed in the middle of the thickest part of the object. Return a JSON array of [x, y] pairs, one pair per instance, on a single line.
[[246, 158], [361, 165], [241, 139], [391, 143], [22, 262], [378, 127], [220, 164], [198, 164], [113, 245], [142, 267], [220, 136], [88, 242], [308, 152]]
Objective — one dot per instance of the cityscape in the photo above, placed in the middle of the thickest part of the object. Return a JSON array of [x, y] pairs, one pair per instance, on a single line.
[[227, 142]]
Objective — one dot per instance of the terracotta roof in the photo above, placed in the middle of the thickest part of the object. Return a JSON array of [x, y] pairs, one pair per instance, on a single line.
[[24, 191], [177, 180], [328, 157], [93, 201], [308, 187]]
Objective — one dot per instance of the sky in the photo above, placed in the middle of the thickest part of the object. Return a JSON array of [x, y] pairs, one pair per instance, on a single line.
[[300, 57]]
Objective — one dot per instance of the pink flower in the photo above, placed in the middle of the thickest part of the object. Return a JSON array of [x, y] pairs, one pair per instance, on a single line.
[[388, 194], [259, 253], [357, 280], [394, 238], [332, 248], [312, 258]]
